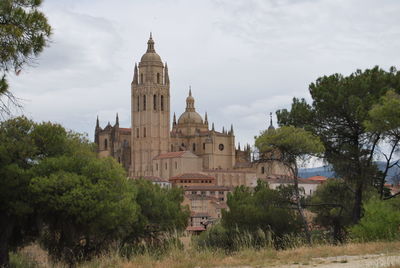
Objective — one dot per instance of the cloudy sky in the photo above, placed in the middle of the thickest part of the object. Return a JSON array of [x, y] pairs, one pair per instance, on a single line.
[[242, 58]]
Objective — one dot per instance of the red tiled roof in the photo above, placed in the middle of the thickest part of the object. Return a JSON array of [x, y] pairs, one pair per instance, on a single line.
[[195, 228], [192, 176], [170, 155], [125, 129], [317, 178], [206, 188]]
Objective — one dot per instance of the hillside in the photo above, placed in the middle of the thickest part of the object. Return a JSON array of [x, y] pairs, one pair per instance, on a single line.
[[329, 173]]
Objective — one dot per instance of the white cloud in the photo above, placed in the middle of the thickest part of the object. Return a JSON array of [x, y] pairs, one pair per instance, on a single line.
[[243, 58]]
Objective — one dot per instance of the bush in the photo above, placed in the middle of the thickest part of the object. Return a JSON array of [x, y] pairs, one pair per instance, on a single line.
[[381, 221]]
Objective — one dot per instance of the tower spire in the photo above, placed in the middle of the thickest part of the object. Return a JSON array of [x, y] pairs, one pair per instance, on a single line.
[[135, 75], [231, 129], [117, 120], [166, 74], [212, 127], [271, 127], [174, 121], [150, 45], [97, 123], [190, 102], [205, 119], [239, 146]]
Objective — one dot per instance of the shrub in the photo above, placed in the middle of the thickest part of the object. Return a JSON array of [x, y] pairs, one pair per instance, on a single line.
[[381, 221]]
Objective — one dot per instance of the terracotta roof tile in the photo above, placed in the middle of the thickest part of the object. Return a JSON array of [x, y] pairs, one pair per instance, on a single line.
[[317, 178], [192, 176]]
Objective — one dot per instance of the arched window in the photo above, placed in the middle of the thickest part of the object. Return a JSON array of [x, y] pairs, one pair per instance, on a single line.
[[172, 148], [141, 79], [105, 144], [155, 102], [204, 146], [166, 166], [144, 132], [158, 78], [137, 133], [194, 147], [144, 102], [162, 103], [262, 170], [138, 103]]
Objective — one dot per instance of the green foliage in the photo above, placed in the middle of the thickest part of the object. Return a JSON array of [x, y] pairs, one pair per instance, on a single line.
[[337, 114], [254, 218], [291, 142], [332, 203], [381, 221], [24, 32], [161, 217]]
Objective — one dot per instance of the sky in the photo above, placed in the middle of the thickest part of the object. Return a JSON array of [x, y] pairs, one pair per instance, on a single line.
[[242, 58]]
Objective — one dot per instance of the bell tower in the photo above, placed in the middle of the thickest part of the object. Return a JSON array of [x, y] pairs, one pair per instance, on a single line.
[[150, 112]]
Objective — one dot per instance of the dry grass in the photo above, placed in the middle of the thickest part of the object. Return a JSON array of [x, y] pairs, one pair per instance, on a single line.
[[214, 258]]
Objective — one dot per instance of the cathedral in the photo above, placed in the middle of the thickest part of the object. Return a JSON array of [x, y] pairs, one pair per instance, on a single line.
[[187, 149]]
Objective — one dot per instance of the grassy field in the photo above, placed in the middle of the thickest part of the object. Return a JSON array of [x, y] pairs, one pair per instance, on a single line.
[[33, 256]]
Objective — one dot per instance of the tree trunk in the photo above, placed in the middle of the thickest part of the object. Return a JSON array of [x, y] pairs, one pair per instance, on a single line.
[[357, 202], [6, 229], [299, 207]]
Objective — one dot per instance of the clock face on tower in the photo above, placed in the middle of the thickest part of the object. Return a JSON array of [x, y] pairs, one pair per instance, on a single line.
[[221, 147]]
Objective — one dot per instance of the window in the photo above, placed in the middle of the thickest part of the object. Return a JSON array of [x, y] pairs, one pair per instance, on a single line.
[[156, 166], [155, 102], [203, 193], [144, 132], [138, 102], [158, 78], [137, 133], [162, 103], [194, 147], [212, 192], [204, 146], [221, 192], [262, 170], [141, 78], [172, 148], [119, 161], [105, 144], [166, 167], [144, 103], [194, 192], [221, 147]]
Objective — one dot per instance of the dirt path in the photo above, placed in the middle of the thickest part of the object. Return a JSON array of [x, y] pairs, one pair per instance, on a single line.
[[360, 261]]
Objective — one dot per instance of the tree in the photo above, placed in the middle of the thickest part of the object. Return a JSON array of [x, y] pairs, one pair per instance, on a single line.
[[381, 221], [160, 213], [337, 114], [84, 203], [53, 186], [293, 145], [24, 32], [256, 217], [332, 204], [384, 117]]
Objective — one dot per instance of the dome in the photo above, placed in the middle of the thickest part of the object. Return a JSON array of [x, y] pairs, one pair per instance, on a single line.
[[150, 57], [191, 117]]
